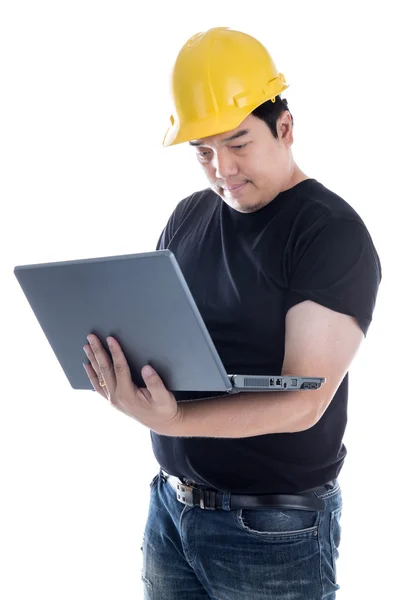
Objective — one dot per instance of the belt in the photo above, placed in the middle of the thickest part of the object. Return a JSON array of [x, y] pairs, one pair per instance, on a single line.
[[208, 499]]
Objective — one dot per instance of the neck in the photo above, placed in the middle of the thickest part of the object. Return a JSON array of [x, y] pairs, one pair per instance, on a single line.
[[296, 176]]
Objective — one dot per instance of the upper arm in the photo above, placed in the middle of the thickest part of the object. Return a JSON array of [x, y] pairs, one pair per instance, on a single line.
[[330, 301], [320, 342]]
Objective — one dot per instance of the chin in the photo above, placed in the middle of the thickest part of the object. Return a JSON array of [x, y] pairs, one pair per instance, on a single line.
[[246, 205], [242, 202], [242, 206], [250, 208]]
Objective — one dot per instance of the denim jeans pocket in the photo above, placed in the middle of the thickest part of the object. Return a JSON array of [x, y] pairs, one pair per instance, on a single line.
[[279, 524]]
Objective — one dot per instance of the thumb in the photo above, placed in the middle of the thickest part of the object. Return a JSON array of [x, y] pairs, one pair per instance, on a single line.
[[151, 378]]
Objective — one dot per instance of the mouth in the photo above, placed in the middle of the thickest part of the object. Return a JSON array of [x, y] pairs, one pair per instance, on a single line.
[[234, 189]]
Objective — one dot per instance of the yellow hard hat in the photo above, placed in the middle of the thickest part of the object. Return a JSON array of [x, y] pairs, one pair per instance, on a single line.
[[218, 79]]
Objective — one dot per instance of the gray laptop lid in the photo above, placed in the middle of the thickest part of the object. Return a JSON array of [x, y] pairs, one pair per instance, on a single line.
[[140, 299]]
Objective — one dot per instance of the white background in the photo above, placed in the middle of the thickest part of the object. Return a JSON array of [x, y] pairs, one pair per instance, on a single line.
[[84, 106]]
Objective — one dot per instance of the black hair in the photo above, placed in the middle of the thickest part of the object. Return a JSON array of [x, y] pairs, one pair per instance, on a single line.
[[269, 112]]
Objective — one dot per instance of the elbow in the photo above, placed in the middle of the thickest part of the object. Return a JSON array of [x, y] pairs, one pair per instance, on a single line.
[[306, 425], [316, 409], [303, 425]]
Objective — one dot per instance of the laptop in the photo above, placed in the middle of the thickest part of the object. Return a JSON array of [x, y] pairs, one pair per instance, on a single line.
[[143, 301]]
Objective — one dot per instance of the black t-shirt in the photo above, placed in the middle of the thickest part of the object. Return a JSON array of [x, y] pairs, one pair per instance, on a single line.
[[245, 272]]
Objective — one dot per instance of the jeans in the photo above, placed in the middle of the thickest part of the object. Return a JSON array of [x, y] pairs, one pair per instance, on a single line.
[[243, 554]]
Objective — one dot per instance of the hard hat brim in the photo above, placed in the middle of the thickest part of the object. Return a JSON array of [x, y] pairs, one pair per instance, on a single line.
[[179, 133]]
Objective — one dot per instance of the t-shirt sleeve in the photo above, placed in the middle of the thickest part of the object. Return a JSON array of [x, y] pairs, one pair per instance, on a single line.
[[338, 267], [173, 223], [164, 238], [167, 233]]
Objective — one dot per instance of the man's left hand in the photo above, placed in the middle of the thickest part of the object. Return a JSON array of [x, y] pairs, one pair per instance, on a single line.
[[153, 406]]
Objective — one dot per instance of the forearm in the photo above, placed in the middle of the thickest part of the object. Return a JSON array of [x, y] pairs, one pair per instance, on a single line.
[[248, 414]]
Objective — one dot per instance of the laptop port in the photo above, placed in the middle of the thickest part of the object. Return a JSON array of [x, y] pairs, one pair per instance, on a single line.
[[271, 382], [279, 382]]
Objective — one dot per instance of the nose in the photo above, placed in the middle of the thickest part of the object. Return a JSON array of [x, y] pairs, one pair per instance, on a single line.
[[224, 164]]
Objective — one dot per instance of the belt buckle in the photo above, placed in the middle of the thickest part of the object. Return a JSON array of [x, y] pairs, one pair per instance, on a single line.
[[186, 496]]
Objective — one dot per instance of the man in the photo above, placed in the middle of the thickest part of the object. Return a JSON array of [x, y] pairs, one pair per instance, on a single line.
[[285, 275]]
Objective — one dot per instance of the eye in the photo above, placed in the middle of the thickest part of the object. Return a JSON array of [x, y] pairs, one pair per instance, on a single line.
[[204, 155], [239, 147]]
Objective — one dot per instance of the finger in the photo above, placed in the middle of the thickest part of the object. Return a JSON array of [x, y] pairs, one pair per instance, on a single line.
[[91, 357], [153, 382], [93, 363], [121, 368], [94, 380], [105, 367]]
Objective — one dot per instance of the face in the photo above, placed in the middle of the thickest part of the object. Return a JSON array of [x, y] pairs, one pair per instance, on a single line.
[[247, 167]]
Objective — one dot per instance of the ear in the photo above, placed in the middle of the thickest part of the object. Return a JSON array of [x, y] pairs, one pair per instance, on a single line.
[[284, 127]]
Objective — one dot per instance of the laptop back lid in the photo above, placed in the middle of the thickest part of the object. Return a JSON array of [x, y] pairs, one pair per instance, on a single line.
[[142, 300]]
